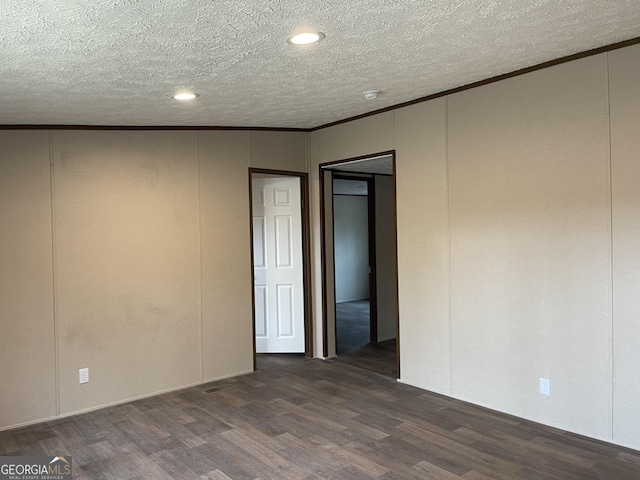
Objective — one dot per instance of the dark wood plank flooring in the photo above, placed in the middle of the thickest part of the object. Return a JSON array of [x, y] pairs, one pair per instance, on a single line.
[[353, 346], [298, 418], [378, 357], [352, 325]]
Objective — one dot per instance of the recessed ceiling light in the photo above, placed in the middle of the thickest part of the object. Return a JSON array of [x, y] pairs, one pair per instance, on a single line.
[[371, 94], [185, 96], [305, 38]]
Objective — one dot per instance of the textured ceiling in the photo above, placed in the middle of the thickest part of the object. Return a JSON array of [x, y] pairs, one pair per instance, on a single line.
[[349, 187], [382, 165], [118, 62]]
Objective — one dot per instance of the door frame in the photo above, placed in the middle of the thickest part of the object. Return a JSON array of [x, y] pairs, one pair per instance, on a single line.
[[322, 167], [306, 255]]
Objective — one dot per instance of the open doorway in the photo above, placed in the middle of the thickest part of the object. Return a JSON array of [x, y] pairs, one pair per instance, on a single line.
[[279, 256], [354, 264], [360, 321]]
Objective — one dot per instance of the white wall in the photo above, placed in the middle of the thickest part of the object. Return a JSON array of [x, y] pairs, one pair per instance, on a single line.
[[351, 244], [507, 268]]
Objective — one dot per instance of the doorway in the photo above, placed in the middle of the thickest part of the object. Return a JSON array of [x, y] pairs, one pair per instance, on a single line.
[[354, 262], [279, 257], [341, 218]]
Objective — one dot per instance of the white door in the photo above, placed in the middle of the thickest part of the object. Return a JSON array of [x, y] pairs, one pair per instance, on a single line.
[[277, 264]]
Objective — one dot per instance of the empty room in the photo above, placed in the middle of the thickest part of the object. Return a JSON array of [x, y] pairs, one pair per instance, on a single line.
[[168, 264]]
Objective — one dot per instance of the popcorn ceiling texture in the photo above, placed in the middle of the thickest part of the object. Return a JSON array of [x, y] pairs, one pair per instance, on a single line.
[[118, 62], [378, 165]]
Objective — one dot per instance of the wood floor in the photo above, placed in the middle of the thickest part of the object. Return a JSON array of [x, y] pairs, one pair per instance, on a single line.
[[298, 419], [353, 346], [378, 357], [352, 325]]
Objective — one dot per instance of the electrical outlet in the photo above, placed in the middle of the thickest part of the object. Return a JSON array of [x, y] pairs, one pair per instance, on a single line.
[[83, 375], [545, 386]]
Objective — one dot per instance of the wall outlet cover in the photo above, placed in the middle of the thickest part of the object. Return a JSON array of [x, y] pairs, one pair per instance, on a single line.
[[545, 386], [83, 375]]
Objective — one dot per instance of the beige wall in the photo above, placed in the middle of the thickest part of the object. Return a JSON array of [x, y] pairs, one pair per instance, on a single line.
[[27, 338], [529, 203], [226, 253], [127, 263], [423, 246], [279, 150], [148, 253], [625, 170], [507, 269]]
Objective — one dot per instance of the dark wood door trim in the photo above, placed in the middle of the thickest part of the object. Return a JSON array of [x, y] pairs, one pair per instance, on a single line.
[[373, 273], [306, 254], [323, 167], [323, 263], [395, 228]]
